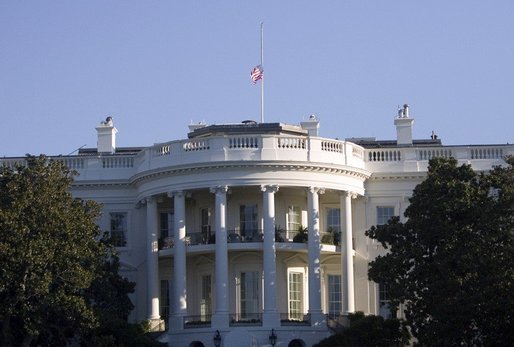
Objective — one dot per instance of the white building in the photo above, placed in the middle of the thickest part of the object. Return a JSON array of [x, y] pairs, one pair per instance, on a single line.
[[209, 227]]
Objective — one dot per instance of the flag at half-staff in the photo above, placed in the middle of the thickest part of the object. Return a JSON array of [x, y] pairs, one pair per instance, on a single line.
[[257, 74]]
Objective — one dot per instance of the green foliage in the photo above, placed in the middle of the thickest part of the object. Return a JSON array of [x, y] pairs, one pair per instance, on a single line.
[[369, 331], [302, 236], [58, 279], [48, 250], [451, 261]]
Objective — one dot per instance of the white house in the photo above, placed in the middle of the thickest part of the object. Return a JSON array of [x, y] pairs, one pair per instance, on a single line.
[[252, 234]]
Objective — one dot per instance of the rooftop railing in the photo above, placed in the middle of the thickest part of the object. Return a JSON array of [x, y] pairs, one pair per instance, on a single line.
[[283, 148]]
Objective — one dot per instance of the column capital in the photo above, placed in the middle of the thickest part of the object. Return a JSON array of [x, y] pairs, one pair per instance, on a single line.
[[269, 188], [313, 190], [351, 194], [174, 193], [146, 200], [221, 189]]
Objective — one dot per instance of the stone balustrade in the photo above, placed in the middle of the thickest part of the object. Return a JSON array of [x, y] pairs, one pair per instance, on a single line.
[[313, 150]]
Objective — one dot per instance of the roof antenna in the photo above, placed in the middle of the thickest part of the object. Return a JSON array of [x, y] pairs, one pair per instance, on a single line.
[[84, 145]]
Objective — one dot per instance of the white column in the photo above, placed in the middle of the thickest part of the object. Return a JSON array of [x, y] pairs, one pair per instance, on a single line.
[[152, 259], [347, 277], [270, 314], [179, 261], [314, 249], [220, 316]]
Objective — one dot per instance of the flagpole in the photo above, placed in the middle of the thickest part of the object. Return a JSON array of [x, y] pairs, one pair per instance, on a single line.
[[262, 80]]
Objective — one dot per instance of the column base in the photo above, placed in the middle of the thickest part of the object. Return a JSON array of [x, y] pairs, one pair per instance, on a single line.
[[156, 324], [219, 320]]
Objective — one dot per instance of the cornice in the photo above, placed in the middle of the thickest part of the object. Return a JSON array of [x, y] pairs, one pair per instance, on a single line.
[[397, 176], [224, 166], [86, 185]]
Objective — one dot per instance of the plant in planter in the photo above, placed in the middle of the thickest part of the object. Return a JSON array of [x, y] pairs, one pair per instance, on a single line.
[[302, 235], [278, 233], [331, 237]]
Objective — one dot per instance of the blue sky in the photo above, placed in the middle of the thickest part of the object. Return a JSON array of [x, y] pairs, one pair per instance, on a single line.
[[155, 66]]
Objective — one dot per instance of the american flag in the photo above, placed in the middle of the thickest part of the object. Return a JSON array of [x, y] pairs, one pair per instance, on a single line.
[[256, 74]]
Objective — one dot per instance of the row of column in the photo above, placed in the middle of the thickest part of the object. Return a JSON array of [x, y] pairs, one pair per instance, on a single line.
[[221, 311]]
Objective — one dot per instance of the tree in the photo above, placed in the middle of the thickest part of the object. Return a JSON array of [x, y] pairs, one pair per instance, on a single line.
[[370, 330], [451, 262], [51, 251]]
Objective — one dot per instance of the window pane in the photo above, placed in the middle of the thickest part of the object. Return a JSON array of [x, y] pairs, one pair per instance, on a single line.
[[118, 229], [334, 294], [249, 293], [248, 223], [293, 218], [333, 220], [206, 301], [384, 213], [296, 295], [163, 224]]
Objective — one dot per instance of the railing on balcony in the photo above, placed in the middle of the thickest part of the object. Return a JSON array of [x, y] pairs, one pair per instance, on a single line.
[[198, 321], [429, 153], [291, 143], [332, 146], [295, 319], [246, 319], [486, 153], [253, 235], [242, 142], [384, 155], [117, 162]]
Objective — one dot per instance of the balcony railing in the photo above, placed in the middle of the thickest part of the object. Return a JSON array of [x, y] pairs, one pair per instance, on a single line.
[[199, 321], [247, 319], [295, 319], [267, 147], [236, 236]]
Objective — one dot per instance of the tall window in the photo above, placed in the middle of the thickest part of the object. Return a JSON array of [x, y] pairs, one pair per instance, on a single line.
[[334, 219], [294, 220], [163, 225], [164, 301], [384, 213], [296, 295], [205, 218], [119, 228], [206, 301], [334, 295], [248, 223], [166, 226], [384, 303], [249, 295]]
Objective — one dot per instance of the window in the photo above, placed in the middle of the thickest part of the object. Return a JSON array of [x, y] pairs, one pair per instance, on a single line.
[[166, 226], [334, 295], [384, 302], [164, 301], [206, 301], [249, 295], [119, 229], [384, 213], [296, 295], [294, 221], [334, 219], [248, 221], [205, 218]]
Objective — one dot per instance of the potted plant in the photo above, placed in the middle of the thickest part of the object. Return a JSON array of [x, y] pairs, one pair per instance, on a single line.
[[302, 235]]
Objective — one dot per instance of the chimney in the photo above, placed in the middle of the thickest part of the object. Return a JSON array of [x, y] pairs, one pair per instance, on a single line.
[[106, 142], [311, 125], [404, 127]]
